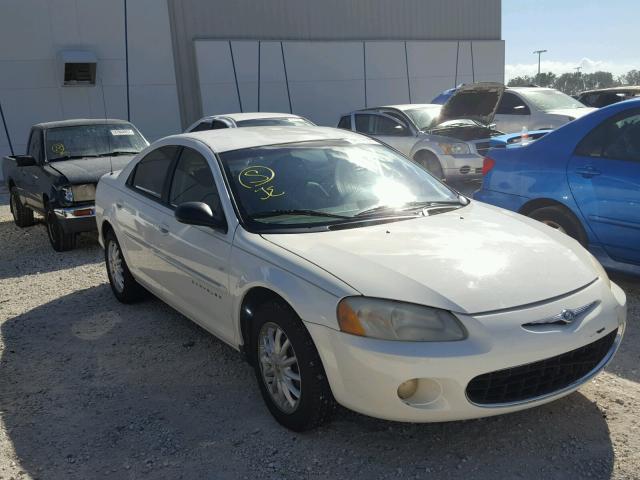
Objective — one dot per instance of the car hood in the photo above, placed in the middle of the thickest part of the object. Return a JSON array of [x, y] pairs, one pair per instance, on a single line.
[[478, 101], [571, 112], [89, 170], [471, 260]]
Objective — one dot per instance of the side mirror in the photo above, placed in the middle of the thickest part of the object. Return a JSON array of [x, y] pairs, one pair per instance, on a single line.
[[198, 213], [25, 161]]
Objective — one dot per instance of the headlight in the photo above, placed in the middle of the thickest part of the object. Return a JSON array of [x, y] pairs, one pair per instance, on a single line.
[[600, 271], [67, 194], [391, 320], [454, 148], [84, 193]]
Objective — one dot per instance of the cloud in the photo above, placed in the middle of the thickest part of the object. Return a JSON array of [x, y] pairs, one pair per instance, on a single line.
[[588, 66]]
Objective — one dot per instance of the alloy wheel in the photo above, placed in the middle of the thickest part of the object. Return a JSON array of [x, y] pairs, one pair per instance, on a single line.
[[115, 266], [279, 367]]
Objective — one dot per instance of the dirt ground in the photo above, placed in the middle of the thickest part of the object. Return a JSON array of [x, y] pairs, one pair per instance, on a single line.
[[91, 388]]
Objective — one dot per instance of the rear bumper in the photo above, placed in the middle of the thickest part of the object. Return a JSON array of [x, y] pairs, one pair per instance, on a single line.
[[77, 219]]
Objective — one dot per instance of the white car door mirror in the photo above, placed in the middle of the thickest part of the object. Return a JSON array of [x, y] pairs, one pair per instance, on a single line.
[[198, 213]]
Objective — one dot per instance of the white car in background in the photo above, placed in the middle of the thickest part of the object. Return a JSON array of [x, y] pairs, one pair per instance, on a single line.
[[248, 119], [347, 273], [409, 129], [536, 108]]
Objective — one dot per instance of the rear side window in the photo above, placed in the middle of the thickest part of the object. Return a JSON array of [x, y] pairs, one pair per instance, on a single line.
[[217, 124], [35, 145], [617, 138], [201, 127], [345, 122], [193, 182], [150, 173], [372, 124]]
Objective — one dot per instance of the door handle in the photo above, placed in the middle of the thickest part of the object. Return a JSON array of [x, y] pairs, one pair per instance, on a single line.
[[588, 172], [164, 229]]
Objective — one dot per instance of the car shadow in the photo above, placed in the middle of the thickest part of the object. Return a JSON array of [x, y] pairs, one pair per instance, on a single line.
[[27, 251], [90, 387]]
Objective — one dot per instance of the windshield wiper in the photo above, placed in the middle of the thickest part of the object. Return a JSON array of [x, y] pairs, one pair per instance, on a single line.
[[409, 206], [116, 153], [303, 212], [72, 157]]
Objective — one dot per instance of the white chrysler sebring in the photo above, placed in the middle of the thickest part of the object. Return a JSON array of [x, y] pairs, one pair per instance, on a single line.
[[346, 272]]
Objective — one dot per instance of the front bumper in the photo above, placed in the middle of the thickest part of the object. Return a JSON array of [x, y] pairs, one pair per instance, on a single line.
[[365, 373], [462, 167], [77, 219]]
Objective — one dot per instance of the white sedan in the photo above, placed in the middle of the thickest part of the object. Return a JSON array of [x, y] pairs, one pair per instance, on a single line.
[[346, 272], [248, 119]]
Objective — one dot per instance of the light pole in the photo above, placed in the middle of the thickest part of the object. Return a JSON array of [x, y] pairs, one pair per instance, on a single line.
[[539, 53]]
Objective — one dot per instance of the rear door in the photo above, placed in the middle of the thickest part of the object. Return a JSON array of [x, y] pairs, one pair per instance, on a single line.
[[197, 257], [604, 176], [387, 129], [140, 213], [512, 113]]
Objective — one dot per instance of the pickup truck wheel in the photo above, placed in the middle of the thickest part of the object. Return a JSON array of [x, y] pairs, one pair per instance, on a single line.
[[124, 286], [22, 216], [564, 221], [429, 161], [60, 240], [289, 370]]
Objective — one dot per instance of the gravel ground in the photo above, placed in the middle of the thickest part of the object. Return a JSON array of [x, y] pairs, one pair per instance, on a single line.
[[92, 388]]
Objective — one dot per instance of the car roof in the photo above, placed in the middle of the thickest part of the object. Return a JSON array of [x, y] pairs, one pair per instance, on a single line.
[[237, 117], [76, 122], [628, 88], [225, 140], [401, 107], [528, 89]]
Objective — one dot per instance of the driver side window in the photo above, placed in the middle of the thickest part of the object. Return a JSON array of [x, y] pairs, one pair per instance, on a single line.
[[373, 124], [193, 182], [511, 104]]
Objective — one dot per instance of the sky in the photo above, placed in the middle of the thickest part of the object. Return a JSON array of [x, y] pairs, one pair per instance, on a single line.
[[593, 34]]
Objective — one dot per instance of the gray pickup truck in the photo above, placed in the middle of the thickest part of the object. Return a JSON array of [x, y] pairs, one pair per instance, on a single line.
[[57, 177]]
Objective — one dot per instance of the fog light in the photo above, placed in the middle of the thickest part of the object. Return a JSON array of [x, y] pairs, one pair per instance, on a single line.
[[408, 388]]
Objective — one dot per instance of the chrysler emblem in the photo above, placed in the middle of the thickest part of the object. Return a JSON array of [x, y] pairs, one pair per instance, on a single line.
[[566, 316]]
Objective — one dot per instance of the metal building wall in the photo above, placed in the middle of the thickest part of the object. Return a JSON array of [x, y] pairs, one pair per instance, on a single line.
[[319, 20]]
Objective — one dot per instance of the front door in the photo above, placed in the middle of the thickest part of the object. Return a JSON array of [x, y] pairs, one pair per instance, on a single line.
[[386, 129], [197, 257], [512, 114], [604, 176]]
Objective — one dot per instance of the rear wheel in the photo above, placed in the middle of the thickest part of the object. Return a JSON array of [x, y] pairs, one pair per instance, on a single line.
[[124, 286], [429, 161], [289, 370], [60, 240], [561, 220], [22, 216]]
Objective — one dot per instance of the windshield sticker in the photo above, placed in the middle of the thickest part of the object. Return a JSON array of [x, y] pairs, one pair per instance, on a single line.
[[124, 131], [58, 148], [257, 179]]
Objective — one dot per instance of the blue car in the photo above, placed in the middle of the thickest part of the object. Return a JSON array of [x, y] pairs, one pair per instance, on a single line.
[[583, 179]]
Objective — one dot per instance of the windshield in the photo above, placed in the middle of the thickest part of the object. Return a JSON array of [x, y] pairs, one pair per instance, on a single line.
[[327, 182], [550, 99], [424, 117], [92, 141], [269, 122]]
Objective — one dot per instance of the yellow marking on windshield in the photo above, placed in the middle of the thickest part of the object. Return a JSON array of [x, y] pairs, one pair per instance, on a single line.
[[58, 148], [257, 178]]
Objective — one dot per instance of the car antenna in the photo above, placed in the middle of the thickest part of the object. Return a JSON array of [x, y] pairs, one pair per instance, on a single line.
[[104, 107]]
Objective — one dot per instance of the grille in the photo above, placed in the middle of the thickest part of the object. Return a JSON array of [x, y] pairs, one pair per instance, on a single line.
[[482, 147], [536, 379]]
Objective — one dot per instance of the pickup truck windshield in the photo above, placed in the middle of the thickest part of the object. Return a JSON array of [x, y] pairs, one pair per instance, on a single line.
[[327, 182], [98, 140]]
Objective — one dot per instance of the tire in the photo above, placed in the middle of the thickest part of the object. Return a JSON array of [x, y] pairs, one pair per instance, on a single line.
[[429, 161], [125, 288], [315, 404], [560, 219], [60, 240], [22, 216]]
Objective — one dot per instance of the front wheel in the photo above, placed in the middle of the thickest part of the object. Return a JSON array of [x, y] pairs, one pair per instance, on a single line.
[[289, 370], [60, 240], [561, 220], [429, 161]]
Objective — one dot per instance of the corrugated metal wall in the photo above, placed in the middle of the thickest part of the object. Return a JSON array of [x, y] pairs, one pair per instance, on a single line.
[[319, 20]]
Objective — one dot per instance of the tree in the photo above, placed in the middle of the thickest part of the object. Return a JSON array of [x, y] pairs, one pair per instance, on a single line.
[[630, 78], [522, 81]]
